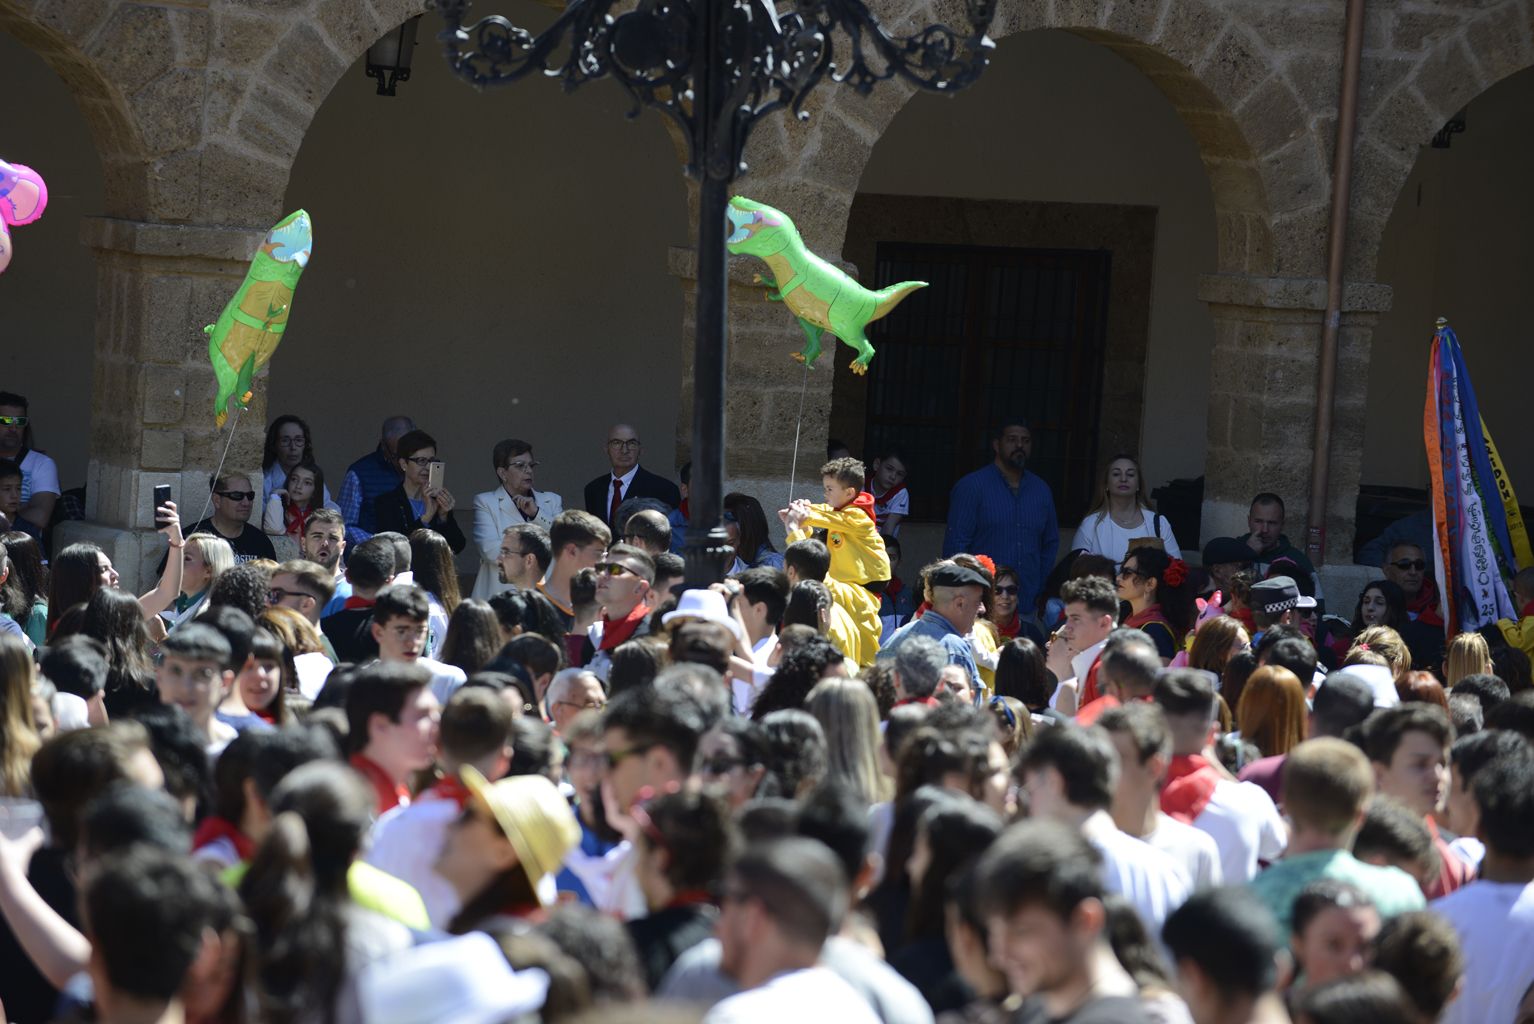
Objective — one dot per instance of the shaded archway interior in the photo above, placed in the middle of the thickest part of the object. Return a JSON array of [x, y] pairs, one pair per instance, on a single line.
[[1457, 245], [490, 263]]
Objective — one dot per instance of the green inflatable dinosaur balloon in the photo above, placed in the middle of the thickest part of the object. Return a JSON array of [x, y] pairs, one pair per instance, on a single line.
[[250, 328], [821, 297]]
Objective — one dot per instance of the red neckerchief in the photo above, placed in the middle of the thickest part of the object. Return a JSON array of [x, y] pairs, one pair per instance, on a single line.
[[1528, 610], [298, 518], [358, 602], [390, 793], [213, 829], [1009, 630], [865, 503], [691, 898], [449, 787], [1243, 615], [682, 508], [894, 587], [926, 702], [1190, 783], [266, 714], [921, 609], [615, 633], [1453, 873], [532, 913], [1087, 692], [1424, 607], [1089, 713], [884, 499]]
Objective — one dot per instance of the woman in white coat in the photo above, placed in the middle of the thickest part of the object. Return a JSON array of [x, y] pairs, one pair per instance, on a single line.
[[1121, 514], [511, 504]]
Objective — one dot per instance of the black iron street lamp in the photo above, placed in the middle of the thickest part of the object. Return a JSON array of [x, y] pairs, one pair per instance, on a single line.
[[716, 68], [389, 58]]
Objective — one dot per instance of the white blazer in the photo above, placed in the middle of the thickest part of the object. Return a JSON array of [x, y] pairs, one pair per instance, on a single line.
[[494, 511]]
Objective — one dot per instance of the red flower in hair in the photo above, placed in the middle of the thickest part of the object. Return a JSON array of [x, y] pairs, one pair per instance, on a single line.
[[1176, 573], [986, 563]]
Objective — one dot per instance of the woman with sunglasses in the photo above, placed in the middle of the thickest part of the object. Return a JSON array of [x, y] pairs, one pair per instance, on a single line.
[[1160, 598], [1003, 611], [415, 504]]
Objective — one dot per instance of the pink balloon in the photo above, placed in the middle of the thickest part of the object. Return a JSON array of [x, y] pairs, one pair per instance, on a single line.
[[5, 247], [23, 194]]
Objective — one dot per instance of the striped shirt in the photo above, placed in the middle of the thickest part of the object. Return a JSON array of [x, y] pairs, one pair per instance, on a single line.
[[1014, 528]]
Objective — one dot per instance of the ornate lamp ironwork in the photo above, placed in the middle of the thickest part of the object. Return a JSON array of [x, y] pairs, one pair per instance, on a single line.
[[715, 68]]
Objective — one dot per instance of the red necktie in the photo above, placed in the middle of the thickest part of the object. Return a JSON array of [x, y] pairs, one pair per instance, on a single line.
[[612, 511]]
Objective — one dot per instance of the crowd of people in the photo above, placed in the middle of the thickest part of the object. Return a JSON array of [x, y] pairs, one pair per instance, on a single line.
[[1113, 785]]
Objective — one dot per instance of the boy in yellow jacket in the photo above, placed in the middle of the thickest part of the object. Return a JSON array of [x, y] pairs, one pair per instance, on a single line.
[[858, 559], [1520, 634]]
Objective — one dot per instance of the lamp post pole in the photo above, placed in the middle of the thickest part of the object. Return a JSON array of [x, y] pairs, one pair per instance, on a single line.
[[715, 67]]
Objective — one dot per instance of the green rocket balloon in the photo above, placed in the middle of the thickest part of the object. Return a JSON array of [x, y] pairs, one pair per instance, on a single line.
[[250, 328]]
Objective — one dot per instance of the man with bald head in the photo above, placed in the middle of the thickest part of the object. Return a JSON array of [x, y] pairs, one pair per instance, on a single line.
[[625, 478]]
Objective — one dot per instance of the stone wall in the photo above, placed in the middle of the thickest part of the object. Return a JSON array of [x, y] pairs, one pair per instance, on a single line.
[[197, 110]]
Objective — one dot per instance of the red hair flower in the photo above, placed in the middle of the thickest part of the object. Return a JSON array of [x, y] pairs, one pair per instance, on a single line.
[[986, 564], [1176, 573]]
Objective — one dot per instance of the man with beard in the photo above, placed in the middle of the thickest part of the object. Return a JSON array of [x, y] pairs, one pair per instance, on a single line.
[[1007, 513], [323, 542]]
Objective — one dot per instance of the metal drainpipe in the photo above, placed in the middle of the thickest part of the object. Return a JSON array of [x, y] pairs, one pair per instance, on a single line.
[[1326, 384]]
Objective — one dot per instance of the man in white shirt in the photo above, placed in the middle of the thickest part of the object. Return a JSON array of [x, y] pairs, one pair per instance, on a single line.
[[759, 606], [782, 899], [39, 473], [1240, 816], [1494, 915], [475, 729], [1091, 612], [1069, 776], [1139, 733], [400, 630]]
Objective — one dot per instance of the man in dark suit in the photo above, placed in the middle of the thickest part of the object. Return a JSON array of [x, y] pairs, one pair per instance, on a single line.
[[626, 479]]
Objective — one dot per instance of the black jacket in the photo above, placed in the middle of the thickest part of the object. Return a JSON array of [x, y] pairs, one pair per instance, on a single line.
[[392, 511], [599, 493]]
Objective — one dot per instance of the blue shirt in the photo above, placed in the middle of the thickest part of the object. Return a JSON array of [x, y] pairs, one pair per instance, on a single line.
[[1015, 529], [933, 625]]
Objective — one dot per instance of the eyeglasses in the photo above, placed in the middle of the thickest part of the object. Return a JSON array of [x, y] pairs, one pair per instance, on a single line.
[[1410, 564], [292, 442], [14, 421], [613, 569], [719, 765], [523, 467], [237, 495], [1125, 570], [624, 446], [1007, 591], [277, 595], [589, 705], [423, 460], [514, 554]]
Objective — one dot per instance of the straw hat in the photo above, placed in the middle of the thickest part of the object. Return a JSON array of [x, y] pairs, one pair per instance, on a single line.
[[533, 816]]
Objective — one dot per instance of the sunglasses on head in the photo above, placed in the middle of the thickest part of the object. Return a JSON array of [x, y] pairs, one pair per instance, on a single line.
[[1409, 564], [237, 495]]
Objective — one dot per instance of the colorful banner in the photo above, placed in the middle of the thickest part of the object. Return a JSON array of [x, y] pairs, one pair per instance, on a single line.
[[1523, 554], [1475, 516]]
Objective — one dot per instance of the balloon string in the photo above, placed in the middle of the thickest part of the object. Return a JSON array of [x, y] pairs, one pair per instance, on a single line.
[[793, 471], [213, 482]]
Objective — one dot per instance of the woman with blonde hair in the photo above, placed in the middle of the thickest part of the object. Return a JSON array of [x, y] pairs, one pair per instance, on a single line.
[[849, 716], [1123, 514], [18, 730], [1272, 713], [203, 560], [1385, 643], [1468, 655]]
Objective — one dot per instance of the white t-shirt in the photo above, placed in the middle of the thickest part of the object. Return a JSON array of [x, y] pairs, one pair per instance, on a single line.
[[899, 504], [406, 843], [445, 679], [1193, 850], [1246, 828], [313, 669], [1495, 922], [1098, 534], [811, 992], [1149, 879], [39, 474]]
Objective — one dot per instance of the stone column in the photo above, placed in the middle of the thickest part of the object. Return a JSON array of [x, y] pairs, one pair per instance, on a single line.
[[765, 387], [1262, 400], [158, 285]]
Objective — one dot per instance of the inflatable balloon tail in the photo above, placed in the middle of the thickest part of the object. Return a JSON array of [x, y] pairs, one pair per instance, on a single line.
[[251, 326], [23, 198]]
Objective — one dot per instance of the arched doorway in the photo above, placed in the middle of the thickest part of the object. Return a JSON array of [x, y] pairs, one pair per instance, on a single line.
[[494, 265], [1080, 216], [1456, 245]]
